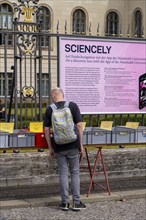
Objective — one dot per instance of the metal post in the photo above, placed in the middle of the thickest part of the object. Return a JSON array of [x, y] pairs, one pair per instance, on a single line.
[[49, 67], [11, 95], [6, 75], [15, 72], [40, 75]]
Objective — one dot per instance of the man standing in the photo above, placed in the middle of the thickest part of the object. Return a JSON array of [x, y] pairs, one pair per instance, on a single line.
[[67, 154]]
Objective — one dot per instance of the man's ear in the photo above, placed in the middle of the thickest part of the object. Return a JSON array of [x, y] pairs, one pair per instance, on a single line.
[[53, 98]]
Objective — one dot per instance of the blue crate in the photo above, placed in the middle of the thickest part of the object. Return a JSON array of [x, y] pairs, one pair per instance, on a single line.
[[121, 134], [87, 135], [4, 139], [140, 135], [101, 136], [21, 138]]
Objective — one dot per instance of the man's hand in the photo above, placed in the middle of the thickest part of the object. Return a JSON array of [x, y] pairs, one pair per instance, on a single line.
[[48, 139], [82, 149], [52, 153]]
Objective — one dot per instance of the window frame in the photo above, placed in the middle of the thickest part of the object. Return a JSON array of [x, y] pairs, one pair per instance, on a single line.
[[45, 40], [79, 22], [45, 86], [3, 83], [6, 10], [138, 23], [112, 24]]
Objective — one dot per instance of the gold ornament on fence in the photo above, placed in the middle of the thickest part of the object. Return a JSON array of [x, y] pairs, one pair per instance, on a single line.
[[28, 92], [28, 12]]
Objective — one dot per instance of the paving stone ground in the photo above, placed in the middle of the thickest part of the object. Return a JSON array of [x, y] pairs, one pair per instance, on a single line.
[[128, 209]]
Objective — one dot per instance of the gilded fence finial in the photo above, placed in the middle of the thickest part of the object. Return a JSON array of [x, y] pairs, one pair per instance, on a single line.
[[142, 32], [57, 28], [128, 31], [65, 27], [90, 29], [98, 29]]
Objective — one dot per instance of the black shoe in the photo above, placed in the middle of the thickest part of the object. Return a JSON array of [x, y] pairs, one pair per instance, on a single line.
[[64, 207], [79, 207]]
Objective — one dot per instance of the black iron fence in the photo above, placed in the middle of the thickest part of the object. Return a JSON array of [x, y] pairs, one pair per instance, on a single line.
[[23, 87]]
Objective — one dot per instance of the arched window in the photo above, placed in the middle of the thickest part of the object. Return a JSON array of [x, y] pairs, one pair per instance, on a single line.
[[112, 24], [138, 23], [79, 22], [45, 18], [6, 22]]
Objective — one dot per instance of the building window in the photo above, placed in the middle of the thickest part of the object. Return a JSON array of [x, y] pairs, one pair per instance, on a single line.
[[138, 23], [45, 84], [6, 23], [45, 18], [79, 22], [112, 24], [2, 84]]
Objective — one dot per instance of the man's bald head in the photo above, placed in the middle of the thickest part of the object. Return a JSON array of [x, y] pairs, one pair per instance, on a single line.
[[57, 94]]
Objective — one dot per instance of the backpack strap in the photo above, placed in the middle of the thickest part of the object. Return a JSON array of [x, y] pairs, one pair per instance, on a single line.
[[53, 106], [66, 104]]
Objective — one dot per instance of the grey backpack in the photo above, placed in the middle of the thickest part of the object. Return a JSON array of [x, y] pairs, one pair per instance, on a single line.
[[62, 124]]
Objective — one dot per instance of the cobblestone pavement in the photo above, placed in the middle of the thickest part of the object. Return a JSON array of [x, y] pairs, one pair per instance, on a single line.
[[130, 209]]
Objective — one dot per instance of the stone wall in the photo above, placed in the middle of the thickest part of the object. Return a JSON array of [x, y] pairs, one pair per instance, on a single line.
[[35, 169]]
